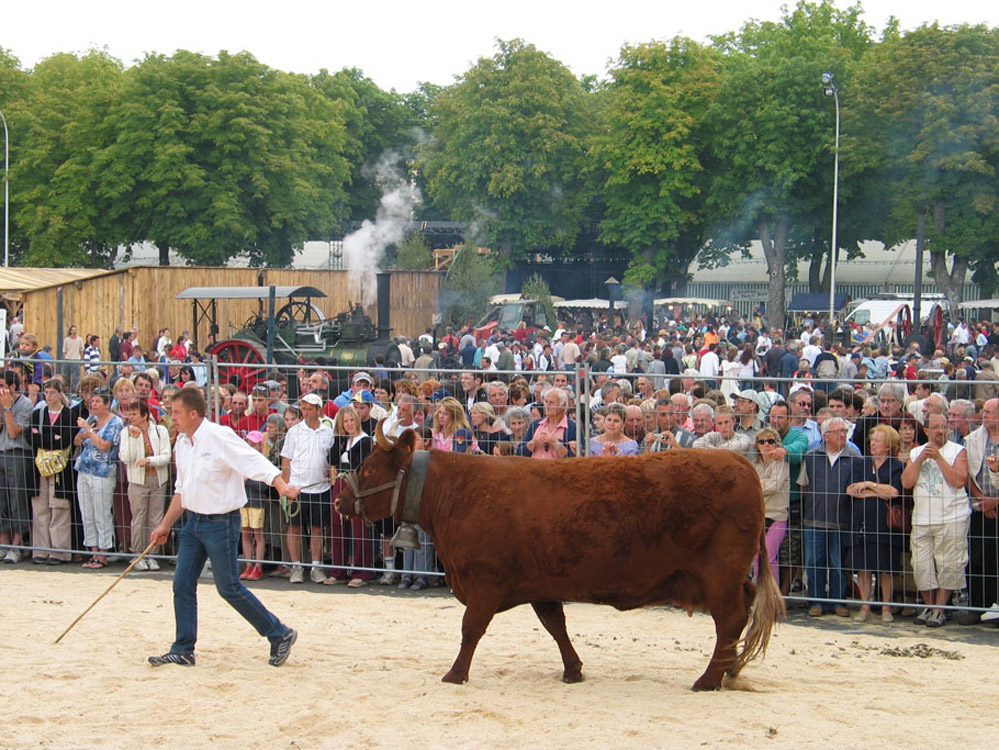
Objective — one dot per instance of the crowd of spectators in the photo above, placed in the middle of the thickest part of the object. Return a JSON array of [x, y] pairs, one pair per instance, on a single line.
[[877, 458]]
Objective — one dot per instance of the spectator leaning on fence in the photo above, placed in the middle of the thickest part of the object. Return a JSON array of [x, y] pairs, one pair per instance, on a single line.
[[937, 473], [826, 472], [16, 471], [145, 451], [305, 464], [724, 435], [983, 486], [553, 436], [96, 475], [51, 436]]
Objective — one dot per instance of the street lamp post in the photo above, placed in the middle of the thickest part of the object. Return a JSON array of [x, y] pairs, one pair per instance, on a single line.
[[6, 199], [829, 87], [613, 287]]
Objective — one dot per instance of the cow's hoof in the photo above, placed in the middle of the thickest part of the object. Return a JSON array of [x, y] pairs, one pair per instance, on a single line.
[[454, 679], [703, 685], [570, 677]]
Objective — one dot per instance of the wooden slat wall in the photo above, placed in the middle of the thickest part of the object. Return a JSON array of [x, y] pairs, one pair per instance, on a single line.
[[145, 297]]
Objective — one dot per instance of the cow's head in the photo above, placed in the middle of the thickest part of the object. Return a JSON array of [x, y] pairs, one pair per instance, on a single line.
[[373, 492]]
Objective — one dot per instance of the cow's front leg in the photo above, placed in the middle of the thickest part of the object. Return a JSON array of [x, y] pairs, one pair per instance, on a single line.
[[552, 616], [474, 623]]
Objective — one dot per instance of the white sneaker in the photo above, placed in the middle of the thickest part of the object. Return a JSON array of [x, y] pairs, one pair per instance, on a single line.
[[387, 579], [141, 565], [297, 575], [991, 614], [317, 575], [12, 556], [152, 564]]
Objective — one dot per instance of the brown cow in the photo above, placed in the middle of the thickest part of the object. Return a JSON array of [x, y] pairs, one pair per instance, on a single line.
[[678, 527]]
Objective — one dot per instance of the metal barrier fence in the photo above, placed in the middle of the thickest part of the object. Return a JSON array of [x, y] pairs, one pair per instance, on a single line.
[[357, 551]]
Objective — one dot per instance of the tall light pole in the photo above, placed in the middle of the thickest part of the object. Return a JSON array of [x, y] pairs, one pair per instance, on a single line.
[[6, 198], [829, 87]]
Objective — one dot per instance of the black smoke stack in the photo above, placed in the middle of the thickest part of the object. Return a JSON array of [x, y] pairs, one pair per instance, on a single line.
[[383, 280]]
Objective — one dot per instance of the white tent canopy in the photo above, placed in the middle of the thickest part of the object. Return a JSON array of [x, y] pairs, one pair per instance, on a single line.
[[594, 303], [980, 304]]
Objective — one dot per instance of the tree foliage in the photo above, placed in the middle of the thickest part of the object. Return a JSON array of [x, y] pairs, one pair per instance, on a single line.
[[772, 129], [537, 288], [380, 134], [414, 254], [62, 131], [650, 157], [928, 112], [222, 156], [507, 150], [471, 281]]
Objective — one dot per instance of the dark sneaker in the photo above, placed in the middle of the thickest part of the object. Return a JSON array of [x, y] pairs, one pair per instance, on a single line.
[[281, 648], [181, 660]]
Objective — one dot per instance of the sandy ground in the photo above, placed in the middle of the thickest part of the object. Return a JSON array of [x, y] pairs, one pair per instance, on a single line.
[[366, 674]]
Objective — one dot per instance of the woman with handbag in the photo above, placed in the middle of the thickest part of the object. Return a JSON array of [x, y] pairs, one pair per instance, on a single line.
[[145, 451], [876, 549], [97, 475], [52, 428]]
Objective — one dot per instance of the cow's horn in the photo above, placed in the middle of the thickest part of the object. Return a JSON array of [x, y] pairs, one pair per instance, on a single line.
[[384, 443]]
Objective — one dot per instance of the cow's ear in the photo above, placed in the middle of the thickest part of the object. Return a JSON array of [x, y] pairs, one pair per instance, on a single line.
[[406, 441]]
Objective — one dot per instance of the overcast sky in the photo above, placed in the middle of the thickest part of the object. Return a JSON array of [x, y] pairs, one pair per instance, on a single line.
[[399, 44]]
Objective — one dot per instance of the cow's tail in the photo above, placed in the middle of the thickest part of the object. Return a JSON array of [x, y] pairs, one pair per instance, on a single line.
[[767, 608]]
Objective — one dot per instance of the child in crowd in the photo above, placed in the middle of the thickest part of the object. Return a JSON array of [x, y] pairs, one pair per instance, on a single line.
[[252, 517]]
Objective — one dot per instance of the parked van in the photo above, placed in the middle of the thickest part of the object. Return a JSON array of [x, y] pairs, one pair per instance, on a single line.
[[879, 311]]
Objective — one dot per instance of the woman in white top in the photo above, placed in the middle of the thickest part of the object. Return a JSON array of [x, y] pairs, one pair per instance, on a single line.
[[145, 451], [731, 374]]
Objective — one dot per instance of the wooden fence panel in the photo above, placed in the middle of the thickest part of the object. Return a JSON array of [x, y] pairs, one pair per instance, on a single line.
[[145, 298]]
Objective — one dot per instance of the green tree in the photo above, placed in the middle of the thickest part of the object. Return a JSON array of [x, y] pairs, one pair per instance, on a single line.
[[14, 85], [62, 215], [929, 116], [650, 157], [537, 288], [214, 157], [508, 147], [380, 134], [470, 282], [772, 133], [413, 253]]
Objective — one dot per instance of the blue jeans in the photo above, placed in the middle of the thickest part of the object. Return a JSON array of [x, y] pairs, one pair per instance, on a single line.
[[214, 538], [824, 563]]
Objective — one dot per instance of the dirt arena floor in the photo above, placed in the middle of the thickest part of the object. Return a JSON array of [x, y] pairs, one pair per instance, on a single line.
[[366, 672]]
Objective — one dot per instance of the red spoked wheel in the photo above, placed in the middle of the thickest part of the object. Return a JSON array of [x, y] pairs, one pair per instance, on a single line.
[[904, 323], [937, 326], [242, 358]]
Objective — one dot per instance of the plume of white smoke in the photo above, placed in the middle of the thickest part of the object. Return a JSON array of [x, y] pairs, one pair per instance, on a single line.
[[364, 249]]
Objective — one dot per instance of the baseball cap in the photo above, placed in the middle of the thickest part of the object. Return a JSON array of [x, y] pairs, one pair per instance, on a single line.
[[255, 436], [362, 376], [363, 397], [311, 398], [748, 395]]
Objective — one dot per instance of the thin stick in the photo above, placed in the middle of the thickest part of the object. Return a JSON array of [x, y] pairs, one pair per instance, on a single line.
[[108, 590]]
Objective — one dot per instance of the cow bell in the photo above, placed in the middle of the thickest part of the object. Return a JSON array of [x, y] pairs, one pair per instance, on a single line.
[[405, 537]]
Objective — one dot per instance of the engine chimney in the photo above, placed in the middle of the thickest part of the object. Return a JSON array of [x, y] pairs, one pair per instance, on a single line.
[[383, 280]]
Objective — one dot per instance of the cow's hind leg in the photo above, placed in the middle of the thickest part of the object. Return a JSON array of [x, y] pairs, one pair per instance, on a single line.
[[552, 616], [730, 614], [474, 623]]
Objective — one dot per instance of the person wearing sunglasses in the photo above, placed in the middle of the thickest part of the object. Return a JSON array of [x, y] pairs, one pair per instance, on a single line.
[[770, 462]]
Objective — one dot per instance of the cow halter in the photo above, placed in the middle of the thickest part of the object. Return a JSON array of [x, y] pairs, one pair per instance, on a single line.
[[350, 479]]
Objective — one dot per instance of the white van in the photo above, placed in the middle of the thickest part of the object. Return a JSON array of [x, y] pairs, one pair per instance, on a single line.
[[879, 311]]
